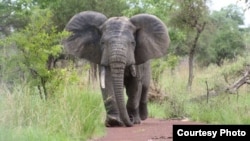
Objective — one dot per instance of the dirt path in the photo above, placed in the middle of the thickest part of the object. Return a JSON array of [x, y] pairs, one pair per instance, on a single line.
[[149, 130]]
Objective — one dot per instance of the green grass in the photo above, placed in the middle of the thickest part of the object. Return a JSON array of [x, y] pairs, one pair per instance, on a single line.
[[29, 134], [173, 107], [224, 109], [156, 110], [75, 114]]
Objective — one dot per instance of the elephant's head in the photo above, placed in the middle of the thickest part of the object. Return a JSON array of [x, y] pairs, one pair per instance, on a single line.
[[117, 43]]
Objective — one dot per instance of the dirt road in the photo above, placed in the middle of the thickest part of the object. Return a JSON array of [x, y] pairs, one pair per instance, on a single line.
[[148, 130]]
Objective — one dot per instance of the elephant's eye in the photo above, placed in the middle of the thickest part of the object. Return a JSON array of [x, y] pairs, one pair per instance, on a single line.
[[133, 43], [102, 43]]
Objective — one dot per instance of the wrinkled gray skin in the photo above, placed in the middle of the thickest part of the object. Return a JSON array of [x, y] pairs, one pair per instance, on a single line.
[[122, 47]]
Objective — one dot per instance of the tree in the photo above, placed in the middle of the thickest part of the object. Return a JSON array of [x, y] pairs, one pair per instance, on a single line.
[[14, 15], [222, 39], [34, 44], [160, 8], [247, 2], [190, 16], [63, 10]]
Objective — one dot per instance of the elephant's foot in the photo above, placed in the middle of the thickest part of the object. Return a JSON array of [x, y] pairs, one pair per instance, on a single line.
[[143, 109], [135, 119], [134, 115], [113, 121]]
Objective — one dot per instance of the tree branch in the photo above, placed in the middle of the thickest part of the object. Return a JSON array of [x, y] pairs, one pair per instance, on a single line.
[[245, 79]]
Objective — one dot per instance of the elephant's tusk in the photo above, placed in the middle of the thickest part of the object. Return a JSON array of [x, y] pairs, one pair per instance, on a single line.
[[102, 77], [133, 70]]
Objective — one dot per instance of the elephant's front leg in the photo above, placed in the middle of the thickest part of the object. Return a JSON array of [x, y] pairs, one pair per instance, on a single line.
[[133, 90], [112, 112]]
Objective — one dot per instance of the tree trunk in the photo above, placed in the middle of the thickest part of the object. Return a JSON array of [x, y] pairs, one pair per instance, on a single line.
[[190, 68], [193, 48], [245, 79]]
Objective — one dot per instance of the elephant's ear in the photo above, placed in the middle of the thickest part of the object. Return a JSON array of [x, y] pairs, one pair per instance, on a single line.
[[152, 39], [85, 35]]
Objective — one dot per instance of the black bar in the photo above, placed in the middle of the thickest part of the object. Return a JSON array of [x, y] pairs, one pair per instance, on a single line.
[[211, 132]]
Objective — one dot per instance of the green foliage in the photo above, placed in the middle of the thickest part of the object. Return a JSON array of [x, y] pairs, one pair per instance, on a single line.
[[172, 61], [225, 109], [233, 70], [74, 114], [187, 19], [227, 44], [157, 110], [178, 38], [235, 13], [173, 107], [160, 8], [28, 134], [189, 14], [14, 15], [158, 66], [33, 45], [222, 38], [63, 10]]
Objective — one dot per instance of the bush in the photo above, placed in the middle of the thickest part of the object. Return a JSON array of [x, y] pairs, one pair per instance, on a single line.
[[27, 51]]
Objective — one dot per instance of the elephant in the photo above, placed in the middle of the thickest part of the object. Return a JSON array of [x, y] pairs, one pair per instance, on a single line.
[[122, 47]]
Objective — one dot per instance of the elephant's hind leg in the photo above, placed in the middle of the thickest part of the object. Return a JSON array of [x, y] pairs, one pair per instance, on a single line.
[[143, 108]]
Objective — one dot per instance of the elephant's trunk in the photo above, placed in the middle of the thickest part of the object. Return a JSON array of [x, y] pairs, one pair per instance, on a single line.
[[117, 72]]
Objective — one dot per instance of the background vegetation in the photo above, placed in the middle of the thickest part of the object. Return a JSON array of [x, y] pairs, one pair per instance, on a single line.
[[209, 54]]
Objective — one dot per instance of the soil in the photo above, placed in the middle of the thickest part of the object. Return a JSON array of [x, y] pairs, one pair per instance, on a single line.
[[148, 130]]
